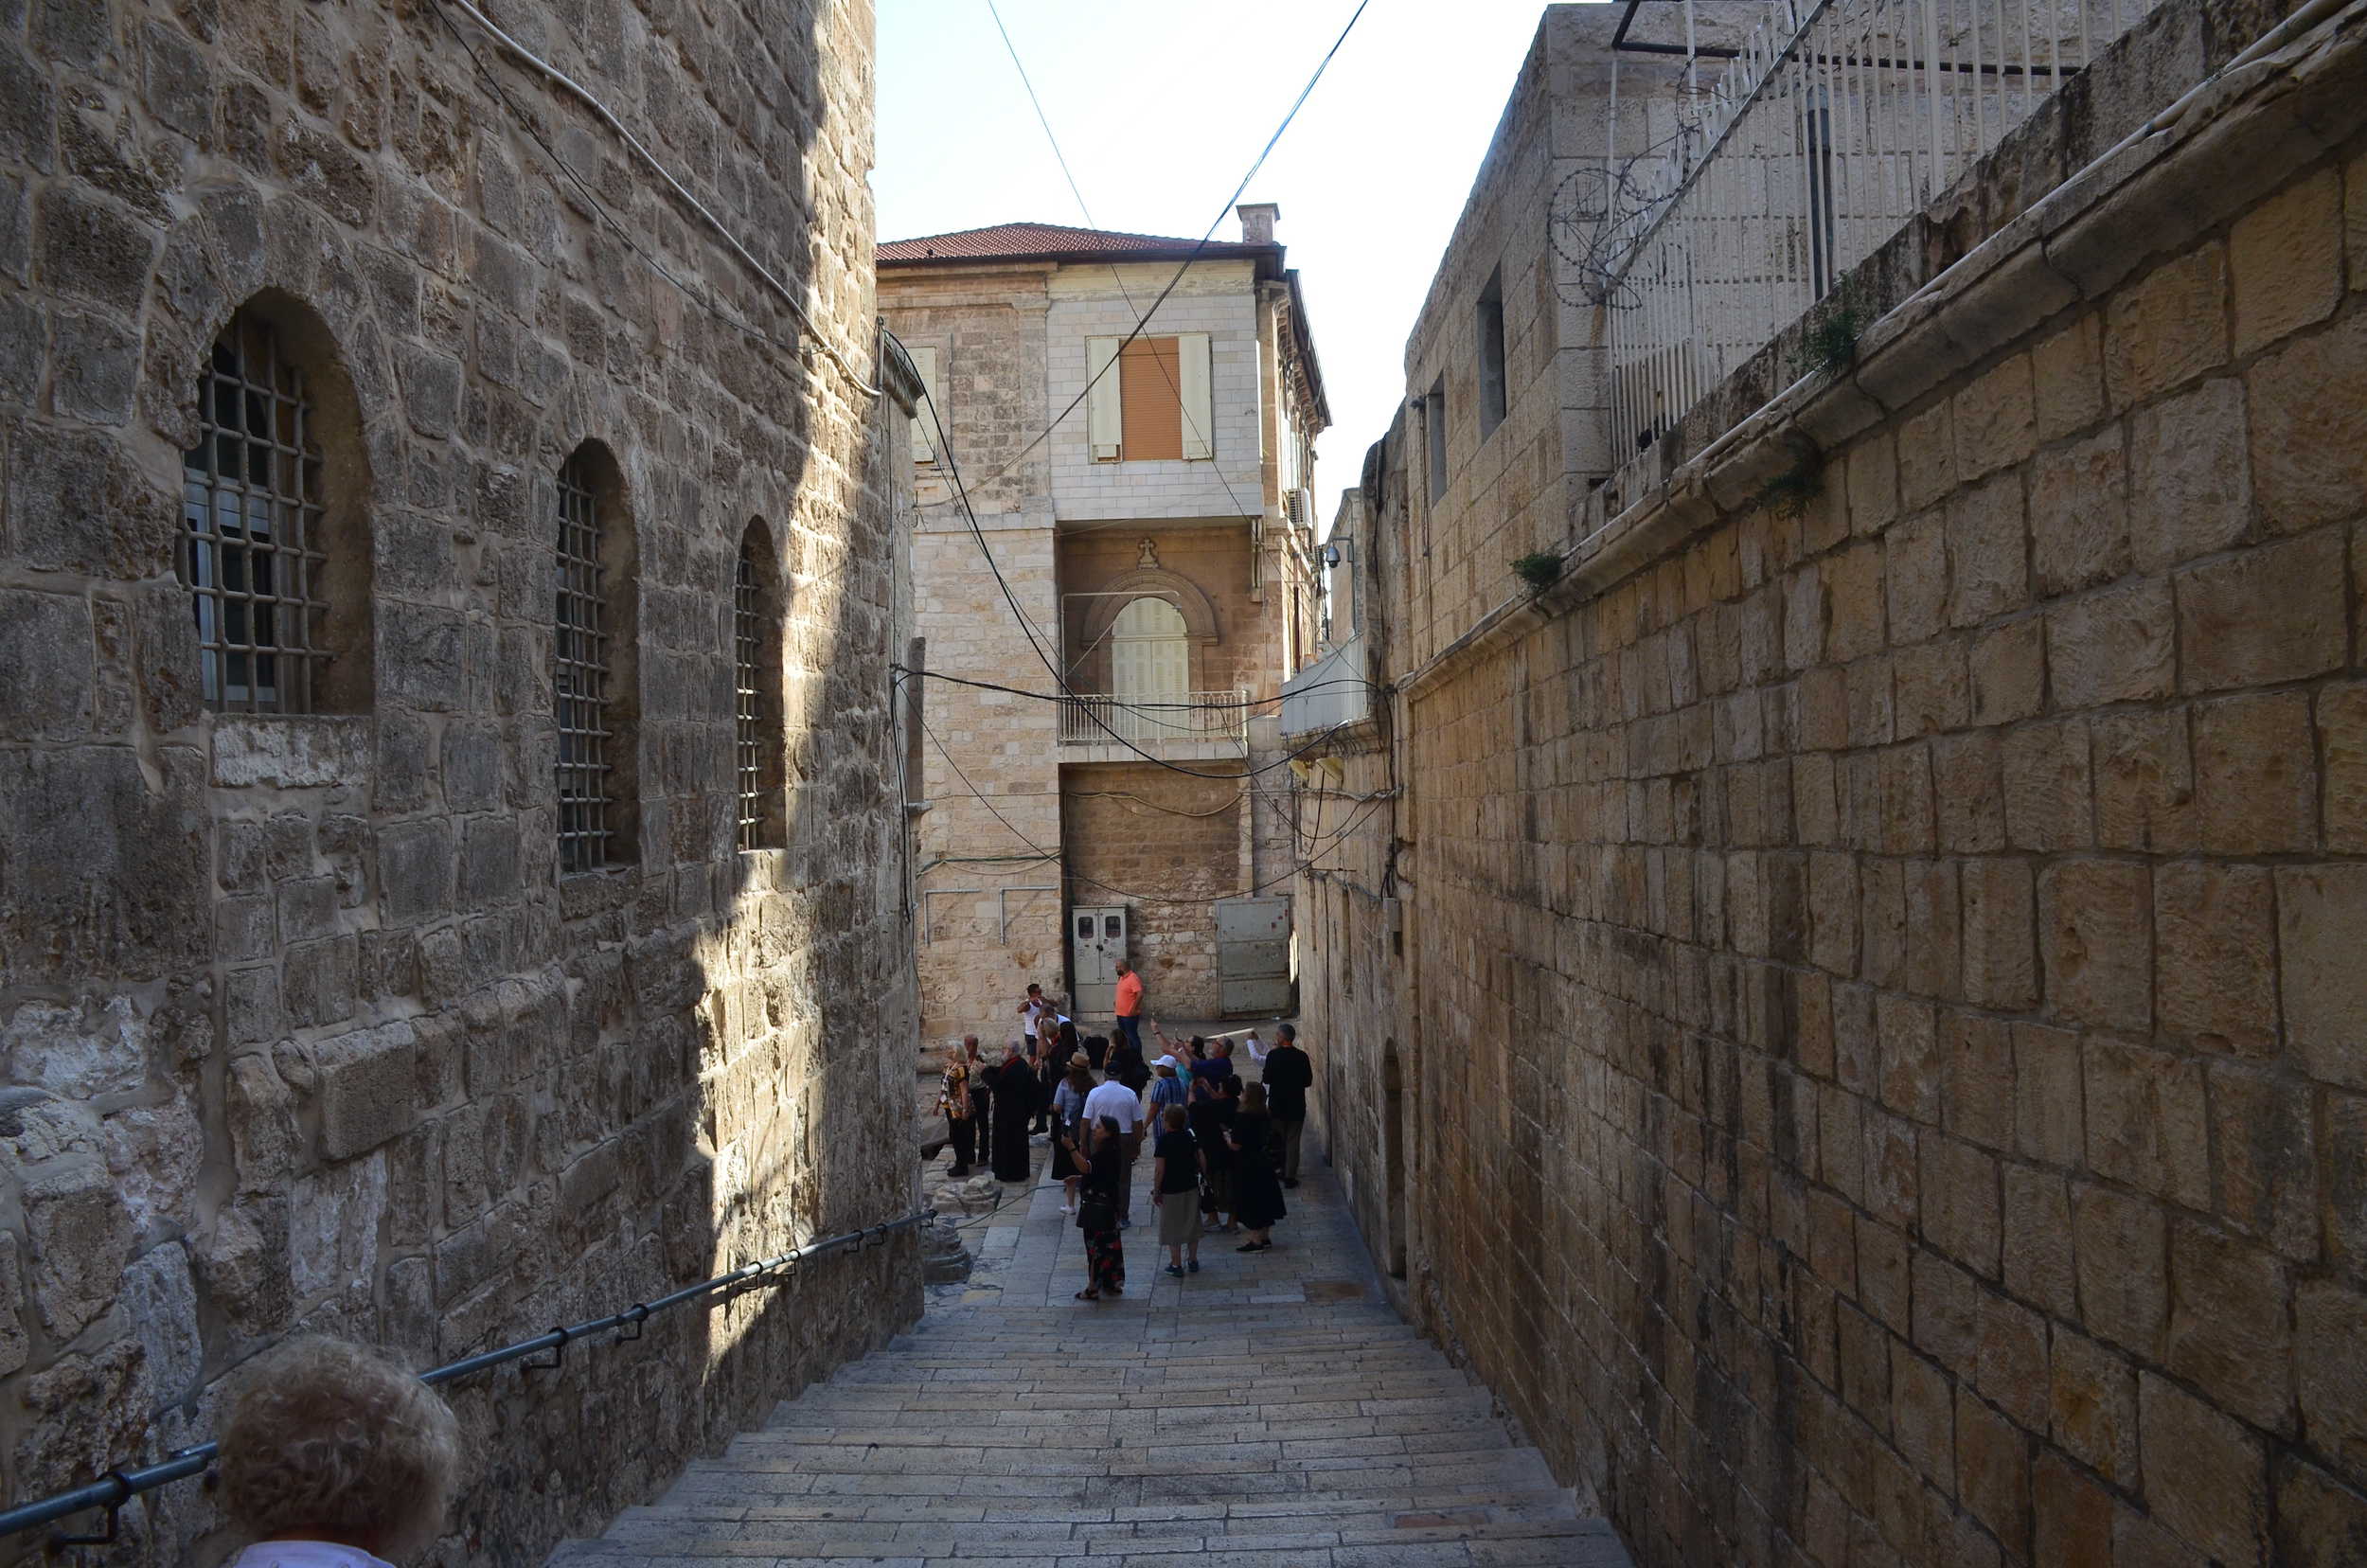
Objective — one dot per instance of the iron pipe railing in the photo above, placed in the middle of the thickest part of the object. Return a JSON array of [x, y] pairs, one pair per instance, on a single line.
[[118, 1486]]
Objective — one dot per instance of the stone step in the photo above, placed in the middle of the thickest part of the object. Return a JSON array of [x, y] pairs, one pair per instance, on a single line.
[[1254, 1421], [1558, 1541]]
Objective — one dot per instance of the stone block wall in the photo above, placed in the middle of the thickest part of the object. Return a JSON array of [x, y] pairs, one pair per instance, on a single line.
[[302, 1028], [1165, 844], [1881, 983], [1510, 490], [1216, 297], [984, 946]]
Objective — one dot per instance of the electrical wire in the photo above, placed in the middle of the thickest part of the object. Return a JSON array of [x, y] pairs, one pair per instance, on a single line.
[[1066, 695], [1176, 708], [1116, 276], [1265, 152], [1355, 820], [788, 298]]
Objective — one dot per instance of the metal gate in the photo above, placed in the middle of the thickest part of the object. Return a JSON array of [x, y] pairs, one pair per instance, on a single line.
[[1096, 943], [1253, 957]]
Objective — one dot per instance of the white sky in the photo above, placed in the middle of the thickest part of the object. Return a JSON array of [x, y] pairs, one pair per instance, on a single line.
[[1162, 106]]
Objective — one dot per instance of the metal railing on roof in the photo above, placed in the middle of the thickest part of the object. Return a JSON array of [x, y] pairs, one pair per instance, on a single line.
[[1775, 167], [118, 1486]]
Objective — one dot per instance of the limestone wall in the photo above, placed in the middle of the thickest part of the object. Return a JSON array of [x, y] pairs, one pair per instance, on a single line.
[[1880, 1003], [1164, 844], [302, 1026], [983, 945]]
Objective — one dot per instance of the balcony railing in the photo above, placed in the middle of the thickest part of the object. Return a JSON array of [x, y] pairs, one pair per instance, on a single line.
[[1780, 170], [1190, 718]]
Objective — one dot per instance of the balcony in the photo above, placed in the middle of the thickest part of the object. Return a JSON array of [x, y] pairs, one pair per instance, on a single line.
[[1192, 726]]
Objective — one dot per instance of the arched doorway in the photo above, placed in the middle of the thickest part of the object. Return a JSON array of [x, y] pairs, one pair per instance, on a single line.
[[1151, 671]]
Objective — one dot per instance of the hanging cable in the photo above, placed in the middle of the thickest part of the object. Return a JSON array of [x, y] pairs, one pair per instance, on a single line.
[[1354, 821], [519, 51]]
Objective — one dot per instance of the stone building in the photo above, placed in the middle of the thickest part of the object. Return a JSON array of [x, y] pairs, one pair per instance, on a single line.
[[450, 829], [1843, 1001], [1157, 543]]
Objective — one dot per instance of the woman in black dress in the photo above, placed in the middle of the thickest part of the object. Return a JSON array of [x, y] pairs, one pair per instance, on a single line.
[[1127, 1065], [1211, 1115], [1014, 1107], [1257, 1192], [1097, 1212]]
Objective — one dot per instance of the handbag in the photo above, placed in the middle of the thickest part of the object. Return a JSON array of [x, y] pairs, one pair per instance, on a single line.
[[1097, 1214]]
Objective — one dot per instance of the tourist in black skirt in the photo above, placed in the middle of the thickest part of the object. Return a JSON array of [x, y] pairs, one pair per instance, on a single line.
[[1256, 1190]]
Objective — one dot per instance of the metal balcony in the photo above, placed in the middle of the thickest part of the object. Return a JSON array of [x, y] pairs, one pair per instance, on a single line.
[[1096, 727]]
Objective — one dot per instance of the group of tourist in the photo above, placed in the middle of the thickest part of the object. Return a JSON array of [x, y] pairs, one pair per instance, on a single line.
[[1222, 1151]]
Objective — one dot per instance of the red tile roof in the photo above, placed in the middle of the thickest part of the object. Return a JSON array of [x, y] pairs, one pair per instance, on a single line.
[[1053, 242]]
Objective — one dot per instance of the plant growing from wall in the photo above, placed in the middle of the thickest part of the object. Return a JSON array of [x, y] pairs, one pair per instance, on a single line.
[[1789, 494], [1831, 344], [1540, 569]]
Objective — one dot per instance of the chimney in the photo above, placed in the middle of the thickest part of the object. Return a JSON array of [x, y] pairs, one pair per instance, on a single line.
[[1257, 218]]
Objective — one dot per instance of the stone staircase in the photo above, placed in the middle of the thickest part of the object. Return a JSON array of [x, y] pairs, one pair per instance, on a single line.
[[1268, 1412], [1263, 1439]]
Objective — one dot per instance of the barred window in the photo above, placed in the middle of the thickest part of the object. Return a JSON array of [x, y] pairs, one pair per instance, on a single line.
[[580, 677], [756, 737], [254, 507]]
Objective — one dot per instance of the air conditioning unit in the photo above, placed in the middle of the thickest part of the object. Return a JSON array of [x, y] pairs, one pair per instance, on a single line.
[[1299, 507]]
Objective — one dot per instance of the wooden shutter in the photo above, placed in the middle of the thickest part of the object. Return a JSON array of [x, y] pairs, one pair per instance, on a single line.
[[1200, 421], [1150, 377], [924, 427], [1105, 418]]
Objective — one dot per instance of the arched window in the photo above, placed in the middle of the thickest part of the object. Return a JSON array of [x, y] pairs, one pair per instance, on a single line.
[[255, 507], [757, 741], [1150, 669], [590, 665]]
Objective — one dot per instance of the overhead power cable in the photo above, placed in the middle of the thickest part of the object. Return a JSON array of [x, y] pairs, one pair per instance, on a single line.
[[1265, 152], [1355, 820], [1163, 707], [1142, 319], [789, 296]]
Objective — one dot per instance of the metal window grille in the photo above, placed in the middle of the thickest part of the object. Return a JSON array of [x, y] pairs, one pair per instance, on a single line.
[[251, 501], [580, 678], [747, 637]]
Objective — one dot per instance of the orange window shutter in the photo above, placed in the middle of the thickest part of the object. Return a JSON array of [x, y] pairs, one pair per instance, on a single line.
[[1150, 381]]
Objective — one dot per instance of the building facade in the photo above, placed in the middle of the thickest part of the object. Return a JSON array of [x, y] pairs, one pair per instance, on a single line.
[[1114, 524], [1843, 1009], [449, 831]]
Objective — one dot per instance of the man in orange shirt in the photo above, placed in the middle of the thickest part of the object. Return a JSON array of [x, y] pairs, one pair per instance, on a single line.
[[1130, 1005]]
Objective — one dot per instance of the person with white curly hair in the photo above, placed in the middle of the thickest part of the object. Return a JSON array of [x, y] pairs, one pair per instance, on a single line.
[[337, 1457]]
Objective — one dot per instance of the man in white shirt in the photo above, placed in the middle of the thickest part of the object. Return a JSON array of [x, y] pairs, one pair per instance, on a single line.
[[1121, 1105]]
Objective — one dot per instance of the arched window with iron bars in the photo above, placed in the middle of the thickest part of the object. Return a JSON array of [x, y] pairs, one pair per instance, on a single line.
[[757, 739], [254, 507], [592, 686]]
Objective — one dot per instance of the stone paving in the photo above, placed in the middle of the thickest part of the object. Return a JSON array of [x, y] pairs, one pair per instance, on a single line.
[[1270, 1411]]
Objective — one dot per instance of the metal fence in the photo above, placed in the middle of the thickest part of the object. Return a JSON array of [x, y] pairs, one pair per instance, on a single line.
[[1766, 178], [1194, 716]]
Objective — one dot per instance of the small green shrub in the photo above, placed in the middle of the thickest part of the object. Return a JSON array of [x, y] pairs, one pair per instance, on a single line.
[[1790, 492], [1540, 569], [1832, 343]]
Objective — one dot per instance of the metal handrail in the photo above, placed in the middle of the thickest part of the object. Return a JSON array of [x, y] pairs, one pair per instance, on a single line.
[[118, 1487]]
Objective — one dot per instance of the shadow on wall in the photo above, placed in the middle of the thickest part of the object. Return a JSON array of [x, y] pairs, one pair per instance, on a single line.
[[304, 1027]]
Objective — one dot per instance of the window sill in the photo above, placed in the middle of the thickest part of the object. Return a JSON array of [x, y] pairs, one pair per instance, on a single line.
[[290, 751], [587, 893]]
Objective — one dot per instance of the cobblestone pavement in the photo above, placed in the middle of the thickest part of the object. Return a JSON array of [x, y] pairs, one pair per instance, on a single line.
[[1269, 1412]]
